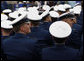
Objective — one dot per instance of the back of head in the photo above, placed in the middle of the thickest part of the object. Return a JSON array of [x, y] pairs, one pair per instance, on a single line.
[[60, 30], [16, 26]]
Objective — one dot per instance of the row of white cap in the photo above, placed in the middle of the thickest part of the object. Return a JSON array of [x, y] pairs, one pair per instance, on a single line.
[[60, 7], [58, 29], [33, 11]]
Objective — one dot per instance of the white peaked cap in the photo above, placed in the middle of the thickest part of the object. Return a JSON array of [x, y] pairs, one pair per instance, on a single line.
[[56, 8], [77, 9], [46, 7], [67, 6], [14, 14], [64, 14], [60, 29], [33, 16], [33, 10], [23, 15], [61, 7], [21, 9], [7, 11], [6, 24], [35, 7], [54, 14], [4, 17], [29, 8], [71, 10], [45, 13]]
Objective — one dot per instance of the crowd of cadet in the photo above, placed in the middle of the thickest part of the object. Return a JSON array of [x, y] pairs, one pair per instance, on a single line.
[[42, 32]]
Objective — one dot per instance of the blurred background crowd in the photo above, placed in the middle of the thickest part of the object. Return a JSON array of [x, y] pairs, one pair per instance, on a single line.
[[13, 5]]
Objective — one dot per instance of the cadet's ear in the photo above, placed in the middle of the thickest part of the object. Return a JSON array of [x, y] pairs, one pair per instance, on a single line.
[[30, 24], [74, 20], [22, 28]]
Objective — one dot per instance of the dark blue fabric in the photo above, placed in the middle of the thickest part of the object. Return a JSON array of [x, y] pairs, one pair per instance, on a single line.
[[74, 39], [81, 49], [41, 35], [80, 21], [19, 47], [3, 56], [60, 52], [45, 25]]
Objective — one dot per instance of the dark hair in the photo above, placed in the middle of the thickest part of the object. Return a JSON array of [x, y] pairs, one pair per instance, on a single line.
[[67, 16], [44, 18], [59, 40], [67, 9], [54, 19], [61, 11], [35, 23]]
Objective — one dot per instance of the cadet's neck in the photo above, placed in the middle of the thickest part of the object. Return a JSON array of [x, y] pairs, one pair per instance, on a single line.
[[5, 34]]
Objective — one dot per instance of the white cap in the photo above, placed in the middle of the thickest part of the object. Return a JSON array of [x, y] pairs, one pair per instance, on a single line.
[[45, 13], [61, 7], [71, 10], [54, 14], [56, 8], [21, 9], [33, 16], [23, 15], [67, 6], [14, 14], [60, 29], [4, 17], [6, 24], [33, 10], [77, 9], [64, 14], [29, 8], [46, 7], [7, 11]]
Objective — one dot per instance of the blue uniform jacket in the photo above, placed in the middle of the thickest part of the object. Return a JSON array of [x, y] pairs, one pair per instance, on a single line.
[[45, 25], [3, 56], [41, 35], [60, 52], [20, 47], [80, 21], [74, 39]]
